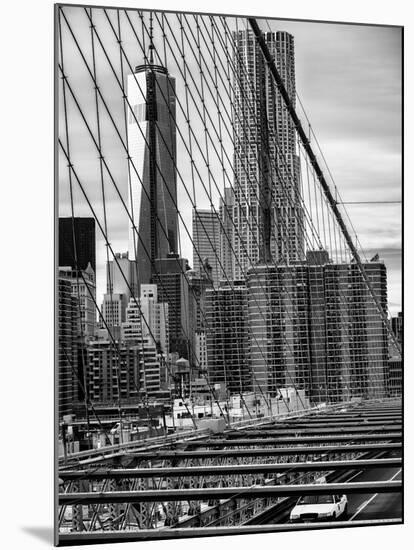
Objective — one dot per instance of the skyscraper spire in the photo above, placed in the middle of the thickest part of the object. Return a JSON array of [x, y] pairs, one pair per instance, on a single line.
[[151, 46]]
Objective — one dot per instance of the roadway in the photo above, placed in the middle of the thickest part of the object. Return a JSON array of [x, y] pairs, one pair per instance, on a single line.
[[376, 506], [367, 506]]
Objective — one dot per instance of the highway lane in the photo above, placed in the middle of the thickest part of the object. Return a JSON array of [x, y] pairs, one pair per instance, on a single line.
[[376, 506], [366, 506]]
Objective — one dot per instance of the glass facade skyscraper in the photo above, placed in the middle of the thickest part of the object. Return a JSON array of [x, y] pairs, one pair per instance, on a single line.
[[152, 170]]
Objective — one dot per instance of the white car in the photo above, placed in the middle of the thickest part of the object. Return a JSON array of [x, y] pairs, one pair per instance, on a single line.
[[319, 508]]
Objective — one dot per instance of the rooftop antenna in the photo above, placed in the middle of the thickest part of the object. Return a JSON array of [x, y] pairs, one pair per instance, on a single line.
[[151, 46]]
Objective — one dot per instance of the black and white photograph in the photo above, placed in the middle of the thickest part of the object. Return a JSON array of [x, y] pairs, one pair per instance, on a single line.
[[228, 281], [208, 224]]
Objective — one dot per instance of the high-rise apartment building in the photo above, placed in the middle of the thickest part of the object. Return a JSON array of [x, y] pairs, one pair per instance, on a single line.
[[152, 181], [278, 327], [227, 337], [113, 372], [313, 325], [355, 341], [347, 338], [206, 243], [77, 243], [267, 215], [397, 326]]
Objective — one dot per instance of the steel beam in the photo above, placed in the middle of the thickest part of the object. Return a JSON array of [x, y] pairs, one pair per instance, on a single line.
[[340, 423], [275, 451], [337, 422], [364, 428], [255, 491], [220, 470], [292, 440]]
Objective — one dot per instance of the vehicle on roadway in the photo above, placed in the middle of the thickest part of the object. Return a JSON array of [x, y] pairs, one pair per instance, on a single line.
[[319, 508]]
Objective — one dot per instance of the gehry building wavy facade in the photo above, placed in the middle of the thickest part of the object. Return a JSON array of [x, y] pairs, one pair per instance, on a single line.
[[267, 168]]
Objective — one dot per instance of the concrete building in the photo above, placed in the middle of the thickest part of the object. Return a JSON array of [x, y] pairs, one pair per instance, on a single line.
[[201, 351], [121, 284], [122, 371], [147, 319], [112, 372], [156, 315], [152, 146], [84, 289], [122, 276], [267, 183], [206, 243], [114, 311]]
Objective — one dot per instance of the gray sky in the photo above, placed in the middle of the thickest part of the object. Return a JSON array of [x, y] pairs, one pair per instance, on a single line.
[[349, 80]]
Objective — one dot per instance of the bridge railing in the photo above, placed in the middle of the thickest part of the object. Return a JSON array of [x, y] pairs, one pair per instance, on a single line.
[[189, 435], [147, 443]]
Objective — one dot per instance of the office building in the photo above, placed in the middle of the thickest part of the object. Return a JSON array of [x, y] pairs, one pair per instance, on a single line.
[[151, 135], [121, 284], [172, 284], [122, 276], [147, 319], [206, 243], [77, 243], [113, 312], [226, 234], [198, 282], [68, 334], [156, 315]]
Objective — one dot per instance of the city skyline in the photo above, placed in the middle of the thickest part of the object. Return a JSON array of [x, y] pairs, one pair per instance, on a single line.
[[338, 141], [247, 309]]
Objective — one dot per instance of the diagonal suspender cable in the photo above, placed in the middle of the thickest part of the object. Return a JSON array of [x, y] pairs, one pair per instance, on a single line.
[[242, 65], [172, 159], [121, 139]]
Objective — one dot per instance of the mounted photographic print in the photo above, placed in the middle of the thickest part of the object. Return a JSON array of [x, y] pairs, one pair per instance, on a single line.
[[228, 275]]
